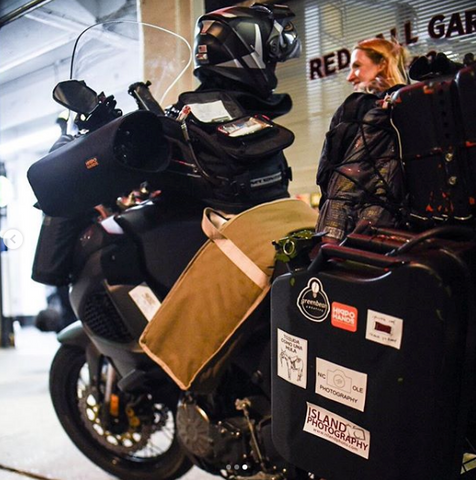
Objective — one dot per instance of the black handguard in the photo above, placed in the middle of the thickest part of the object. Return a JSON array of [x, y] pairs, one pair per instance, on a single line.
[[104, 113]]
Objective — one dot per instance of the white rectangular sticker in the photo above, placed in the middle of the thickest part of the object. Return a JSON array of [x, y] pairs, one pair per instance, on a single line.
[[146, 301], [210, 112], [384, 329], [337, 430], [292, 358], [341, 384]]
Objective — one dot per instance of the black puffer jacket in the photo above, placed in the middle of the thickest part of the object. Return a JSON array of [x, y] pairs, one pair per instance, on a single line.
[[360, 173]]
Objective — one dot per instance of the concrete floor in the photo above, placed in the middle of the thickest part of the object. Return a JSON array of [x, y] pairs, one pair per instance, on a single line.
[[32, 442]]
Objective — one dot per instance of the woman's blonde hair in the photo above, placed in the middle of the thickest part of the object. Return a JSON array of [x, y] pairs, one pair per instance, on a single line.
[[394, 57]]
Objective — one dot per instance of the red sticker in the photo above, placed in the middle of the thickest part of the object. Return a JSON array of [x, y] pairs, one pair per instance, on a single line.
[[344, 316], [92, 163]]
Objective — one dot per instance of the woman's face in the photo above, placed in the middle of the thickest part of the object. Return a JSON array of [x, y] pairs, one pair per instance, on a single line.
[[363, 71]]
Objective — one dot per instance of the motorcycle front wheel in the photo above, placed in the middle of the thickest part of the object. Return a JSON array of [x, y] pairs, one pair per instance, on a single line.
[[140, 443]]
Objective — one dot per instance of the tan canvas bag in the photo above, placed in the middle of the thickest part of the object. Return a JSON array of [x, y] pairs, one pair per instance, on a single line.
[[202, 317]]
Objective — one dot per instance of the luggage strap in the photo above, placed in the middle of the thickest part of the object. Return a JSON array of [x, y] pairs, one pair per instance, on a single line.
[[212, 223]]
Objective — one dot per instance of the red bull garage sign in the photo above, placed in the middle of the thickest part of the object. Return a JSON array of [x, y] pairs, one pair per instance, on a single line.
[[440, 26]]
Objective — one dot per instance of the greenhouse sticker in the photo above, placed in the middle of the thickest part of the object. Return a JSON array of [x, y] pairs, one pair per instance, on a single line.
[[313, 302]]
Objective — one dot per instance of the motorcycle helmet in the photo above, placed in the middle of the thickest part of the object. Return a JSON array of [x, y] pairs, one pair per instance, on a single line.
[[244, 44]]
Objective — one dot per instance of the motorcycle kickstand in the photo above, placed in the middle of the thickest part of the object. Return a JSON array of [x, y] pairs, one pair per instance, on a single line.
[[243, 406]]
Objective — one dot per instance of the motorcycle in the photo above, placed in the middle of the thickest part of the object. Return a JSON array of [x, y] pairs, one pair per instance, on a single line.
[[117, 405]]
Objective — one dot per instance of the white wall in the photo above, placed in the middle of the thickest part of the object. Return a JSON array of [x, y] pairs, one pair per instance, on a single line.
[[35, 55], [21, 295]]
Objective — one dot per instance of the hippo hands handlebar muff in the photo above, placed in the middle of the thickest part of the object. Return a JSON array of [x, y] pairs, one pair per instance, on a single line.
[[98, 167]]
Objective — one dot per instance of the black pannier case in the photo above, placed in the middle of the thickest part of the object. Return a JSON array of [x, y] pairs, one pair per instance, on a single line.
[[372, 359], [54, 255], [436, 121]]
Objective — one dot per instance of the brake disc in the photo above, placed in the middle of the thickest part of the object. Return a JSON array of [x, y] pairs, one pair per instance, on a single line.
[[135, 433]]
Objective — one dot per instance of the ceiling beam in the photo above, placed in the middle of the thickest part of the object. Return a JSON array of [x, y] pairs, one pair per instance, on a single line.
[[44, 49], [22, 10], [60, 22]]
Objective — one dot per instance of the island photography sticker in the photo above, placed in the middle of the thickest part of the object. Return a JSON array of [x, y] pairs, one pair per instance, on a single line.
[[313, 302], [335, 429]]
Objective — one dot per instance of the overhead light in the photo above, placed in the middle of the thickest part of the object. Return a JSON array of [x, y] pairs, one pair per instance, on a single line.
[[44, 137]]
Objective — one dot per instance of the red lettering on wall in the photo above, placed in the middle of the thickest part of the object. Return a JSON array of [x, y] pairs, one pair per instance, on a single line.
[[315, 68], [470, 20], [329, 68], [436, 29], [326, 65], [455, 25], [343, 58], [408, 34], [439, 26]]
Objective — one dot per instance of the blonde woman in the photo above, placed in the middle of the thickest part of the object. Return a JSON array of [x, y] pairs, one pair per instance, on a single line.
[[359, 171], [376, 65]]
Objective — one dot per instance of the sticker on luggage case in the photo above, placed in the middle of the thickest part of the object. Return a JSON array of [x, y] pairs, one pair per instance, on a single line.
[[384, 329], [313, 302], [338, 430], [292, 358], [341, 384], [344, 316]]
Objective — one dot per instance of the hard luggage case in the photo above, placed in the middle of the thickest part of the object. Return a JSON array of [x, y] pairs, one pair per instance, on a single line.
[[372, 360], [436, 122]]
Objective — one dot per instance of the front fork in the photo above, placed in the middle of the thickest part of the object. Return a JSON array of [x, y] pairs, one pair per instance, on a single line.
[[111, 399], [75, 335]]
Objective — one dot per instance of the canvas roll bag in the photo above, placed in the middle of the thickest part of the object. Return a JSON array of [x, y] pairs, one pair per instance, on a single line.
[[203, 317]]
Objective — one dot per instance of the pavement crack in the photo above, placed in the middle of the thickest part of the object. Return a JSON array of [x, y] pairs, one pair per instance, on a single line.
[[24, 473]]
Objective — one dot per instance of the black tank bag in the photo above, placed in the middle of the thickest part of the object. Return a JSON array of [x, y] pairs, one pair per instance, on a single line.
[[233, 161], [373, 360]]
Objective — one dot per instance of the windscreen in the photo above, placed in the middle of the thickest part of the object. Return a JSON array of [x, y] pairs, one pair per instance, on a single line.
[[110, 56]]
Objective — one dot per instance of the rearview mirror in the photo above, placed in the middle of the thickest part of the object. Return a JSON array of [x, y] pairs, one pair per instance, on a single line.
[[76, 96]]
